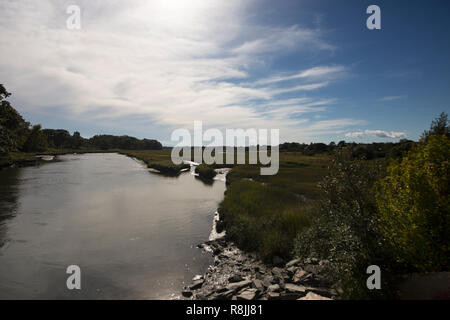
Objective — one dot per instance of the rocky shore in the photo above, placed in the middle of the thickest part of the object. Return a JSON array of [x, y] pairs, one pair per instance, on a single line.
[[237, 275]]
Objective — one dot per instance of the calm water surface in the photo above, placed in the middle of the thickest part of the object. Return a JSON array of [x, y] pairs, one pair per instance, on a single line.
[[133, 233]]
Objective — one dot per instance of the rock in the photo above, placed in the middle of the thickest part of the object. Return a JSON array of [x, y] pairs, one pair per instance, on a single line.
[[273, 296], [313, 296], [268, 280], [238, 285], [293, 288], [277, 272], [186, 293], [277, 261], [320, 291], [299, 275], [248, 294], [291, 270], [311, 261], [235, 278], [197, 284], [221, 289], [291, 295], [223, 295], [313, 268], [274, 288], [258, 284], [197, 277], [293, 263]]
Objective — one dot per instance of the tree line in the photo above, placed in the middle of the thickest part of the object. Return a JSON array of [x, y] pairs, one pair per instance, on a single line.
[[16, 134]]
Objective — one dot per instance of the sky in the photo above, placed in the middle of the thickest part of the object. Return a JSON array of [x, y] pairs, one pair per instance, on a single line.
[[310, 68]]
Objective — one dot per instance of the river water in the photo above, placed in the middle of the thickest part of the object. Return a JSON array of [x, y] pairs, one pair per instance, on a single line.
[[133, 233]]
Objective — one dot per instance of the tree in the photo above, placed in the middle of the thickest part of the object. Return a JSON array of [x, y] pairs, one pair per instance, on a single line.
[[36, 141], [414, 202], [439, 126], [13, 128], [77, 140], [345, 230]]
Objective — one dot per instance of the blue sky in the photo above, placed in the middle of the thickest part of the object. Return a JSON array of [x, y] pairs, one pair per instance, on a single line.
[[309, 68]]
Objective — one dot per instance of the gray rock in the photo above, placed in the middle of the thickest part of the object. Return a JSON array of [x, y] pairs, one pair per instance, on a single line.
[[299, 275], [293, 263], [223, 295], [274, 288], [247, 294], [235, 278], [197, 277], [313, 296], [238, 285], [320, 291], [273, 296], [293, 288], [197, 284], [291, 270], [277, 272], [258, 284], [291, 295]]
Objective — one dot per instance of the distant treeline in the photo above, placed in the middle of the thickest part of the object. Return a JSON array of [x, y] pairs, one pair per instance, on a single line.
[[359, 150], [60, 138], [16, 134]]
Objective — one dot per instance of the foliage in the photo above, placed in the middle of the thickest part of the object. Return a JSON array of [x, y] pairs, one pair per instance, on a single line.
[[13, 128], [359, 150], [204, 171], [414, 203], [106, 141], [262, 218], [36, 140], [345, 229], [439, 126]]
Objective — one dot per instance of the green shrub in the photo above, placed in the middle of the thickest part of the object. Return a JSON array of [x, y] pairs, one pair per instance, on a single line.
[[414, 205], [262, 218], [205, 172], [345, 230]]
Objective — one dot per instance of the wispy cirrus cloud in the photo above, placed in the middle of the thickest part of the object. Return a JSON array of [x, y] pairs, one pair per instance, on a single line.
[[376, 133], [392, 98], [319, 72], [171, 64]]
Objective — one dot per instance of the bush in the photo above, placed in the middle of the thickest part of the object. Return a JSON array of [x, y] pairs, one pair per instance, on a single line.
[[345, 229], [205, 172], [414, 205], [262, 218]]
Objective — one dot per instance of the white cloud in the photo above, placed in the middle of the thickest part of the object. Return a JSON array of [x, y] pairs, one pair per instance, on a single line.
[[391, 98], [171, 62], [377, 133], [320, 72]]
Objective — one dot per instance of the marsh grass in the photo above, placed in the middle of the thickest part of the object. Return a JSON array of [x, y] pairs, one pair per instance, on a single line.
[[262, 218]]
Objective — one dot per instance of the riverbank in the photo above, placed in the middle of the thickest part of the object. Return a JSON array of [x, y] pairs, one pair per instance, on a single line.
[[159, 160], [238, 275]]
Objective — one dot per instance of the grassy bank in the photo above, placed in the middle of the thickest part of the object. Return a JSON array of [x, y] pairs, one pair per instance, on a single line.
[[156, 159], [265, 213]]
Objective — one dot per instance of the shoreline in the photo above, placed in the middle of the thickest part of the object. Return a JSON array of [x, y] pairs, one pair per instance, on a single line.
[[239, 275]]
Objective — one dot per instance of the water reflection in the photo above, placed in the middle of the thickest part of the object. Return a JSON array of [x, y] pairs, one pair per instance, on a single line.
[[133, 233], [8, 198]]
